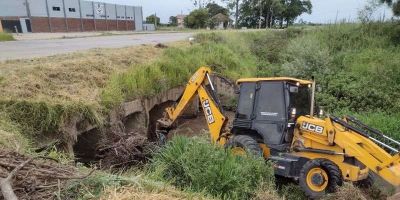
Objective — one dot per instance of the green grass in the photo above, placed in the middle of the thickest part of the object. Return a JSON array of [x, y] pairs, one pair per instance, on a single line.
[[195, 164], [230, 57], [6, 37], [37, 119]]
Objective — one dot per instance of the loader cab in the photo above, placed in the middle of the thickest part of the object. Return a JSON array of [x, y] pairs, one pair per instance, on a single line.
[[268, 108]]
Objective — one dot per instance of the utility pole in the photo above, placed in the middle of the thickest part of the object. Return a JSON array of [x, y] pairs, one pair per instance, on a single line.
[[155, 20], [260, 20], [237, 14]]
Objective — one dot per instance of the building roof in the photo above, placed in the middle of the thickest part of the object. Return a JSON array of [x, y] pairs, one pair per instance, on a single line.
[[220, 17], [289, 79]]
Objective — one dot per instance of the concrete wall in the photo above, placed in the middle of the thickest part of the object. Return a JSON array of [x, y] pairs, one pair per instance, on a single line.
[[111, 14], [38, 8], [14, 8], [149, 27], [73, 15], [99, 10], [72, 9], [138, 18], [87, 9], [54, 5], [130, 13], [121, 12]]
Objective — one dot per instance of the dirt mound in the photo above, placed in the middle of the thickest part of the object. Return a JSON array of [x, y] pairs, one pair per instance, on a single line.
[[34, 177]]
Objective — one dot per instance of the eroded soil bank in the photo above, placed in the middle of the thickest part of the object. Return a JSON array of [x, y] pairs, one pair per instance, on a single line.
[[128, 138]]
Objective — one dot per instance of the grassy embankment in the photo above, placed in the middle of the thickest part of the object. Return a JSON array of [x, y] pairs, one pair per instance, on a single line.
[[355, 64], [6, 37], [38, 95]]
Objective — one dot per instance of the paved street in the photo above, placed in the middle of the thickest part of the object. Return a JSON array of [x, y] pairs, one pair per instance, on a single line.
[[39, 48]]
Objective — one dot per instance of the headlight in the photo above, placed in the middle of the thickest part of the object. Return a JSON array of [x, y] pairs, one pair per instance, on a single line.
[[293, 113]]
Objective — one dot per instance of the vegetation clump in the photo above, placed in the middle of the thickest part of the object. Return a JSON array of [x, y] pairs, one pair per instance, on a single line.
[[195, 164], [6, 37]]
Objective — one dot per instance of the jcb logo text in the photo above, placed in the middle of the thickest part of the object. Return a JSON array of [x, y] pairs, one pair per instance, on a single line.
[[208, 111], [312, 127]]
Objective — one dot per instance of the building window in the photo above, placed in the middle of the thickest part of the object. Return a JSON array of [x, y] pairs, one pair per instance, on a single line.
[[55, 8], [72, 10]]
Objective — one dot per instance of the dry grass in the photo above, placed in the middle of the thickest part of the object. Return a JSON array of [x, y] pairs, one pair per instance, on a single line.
[[75, 77], [347, 192], [267, 193], [135, 193]]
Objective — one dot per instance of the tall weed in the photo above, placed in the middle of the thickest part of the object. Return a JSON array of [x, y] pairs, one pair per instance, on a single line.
[[197, 165]]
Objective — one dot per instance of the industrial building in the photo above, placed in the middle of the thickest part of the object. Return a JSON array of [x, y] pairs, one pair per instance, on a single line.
[[68, 16]]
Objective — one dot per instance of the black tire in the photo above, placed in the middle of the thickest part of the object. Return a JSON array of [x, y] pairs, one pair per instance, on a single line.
[[365, 183], [332, 171], [246, 142]]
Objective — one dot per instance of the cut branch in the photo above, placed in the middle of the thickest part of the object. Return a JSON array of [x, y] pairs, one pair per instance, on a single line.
[[5, 183]]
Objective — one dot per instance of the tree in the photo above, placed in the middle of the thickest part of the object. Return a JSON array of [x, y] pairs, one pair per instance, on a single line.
[[395, 6], [201, 3], [214, 9], [266, 13], [234, 4], [365, 14], [152, 19], [217, 14], [197, 19], [173, 21], [294, 8]]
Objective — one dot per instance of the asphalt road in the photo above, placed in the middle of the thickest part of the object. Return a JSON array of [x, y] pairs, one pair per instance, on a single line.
[[40, 48]]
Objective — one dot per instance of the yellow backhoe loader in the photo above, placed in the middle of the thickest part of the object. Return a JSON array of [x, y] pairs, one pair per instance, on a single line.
[[275, 119]]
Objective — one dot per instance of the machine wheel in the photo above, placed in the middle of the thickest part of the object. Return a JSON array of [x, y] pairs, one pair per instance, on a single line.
[[318, 177], [241, 144], [365, 183]]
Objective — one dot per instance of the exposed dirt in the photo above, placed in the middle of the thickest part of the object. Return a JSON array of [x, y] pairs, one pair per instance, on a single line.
[[195, 125]]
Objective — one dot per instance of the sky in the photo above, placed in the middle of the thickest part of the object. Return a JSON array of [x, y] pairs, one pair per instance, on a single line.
[[324, 11]]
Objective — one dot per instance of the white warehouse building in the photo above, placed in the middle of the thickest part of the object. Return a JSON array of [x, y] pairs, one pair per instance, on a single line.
[[68, 16]]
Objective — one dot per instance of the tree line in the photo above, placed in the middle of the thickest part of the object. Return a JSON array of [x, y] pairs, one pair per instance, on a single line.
[[260, 13], [253, 13]]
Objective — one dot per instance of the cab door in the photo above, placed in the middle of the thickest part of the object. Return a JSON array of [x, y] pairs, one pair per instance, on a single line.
[[270, 113]]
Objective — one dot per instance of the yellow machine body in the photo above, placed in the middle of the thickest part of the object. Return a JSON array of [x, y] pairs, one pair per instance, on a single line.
[[346, 144], [313, 138]]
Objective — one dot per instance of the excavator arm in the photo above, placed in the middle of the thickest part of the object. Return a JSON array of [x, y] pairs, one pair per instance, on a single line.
[[197, 86], [378, 152]]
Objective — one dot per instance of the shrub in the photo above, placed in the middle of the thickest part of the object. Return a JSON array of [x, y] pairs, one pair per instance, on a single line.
[[305, 57], [197, 165], [6, 37]]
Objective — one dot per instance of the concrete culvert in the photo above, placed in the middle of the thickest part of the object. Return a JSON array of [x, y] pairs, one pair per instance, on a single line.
[[154, 114], [134, 122], [85, 149]]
